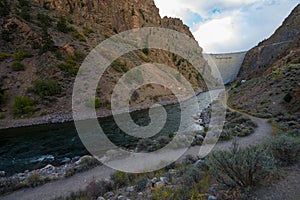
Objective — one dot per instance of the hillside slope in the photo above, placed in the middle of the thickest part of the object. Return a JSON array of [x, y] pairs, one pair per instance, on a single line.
[[272, 72], [43, 43]]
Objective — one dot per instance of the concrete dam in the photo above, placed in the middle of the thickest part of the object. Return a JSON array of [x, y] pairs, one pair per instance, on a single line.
[[229, 64]]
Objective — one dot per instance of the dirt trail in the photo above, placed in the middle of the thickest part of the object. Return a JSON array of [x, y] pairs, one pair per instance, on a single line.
[[78, 182]]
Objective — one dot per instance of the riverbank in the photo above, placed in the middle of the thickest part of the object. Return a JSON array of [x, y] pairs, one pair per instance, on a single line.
[[64, 118], [67, 186]]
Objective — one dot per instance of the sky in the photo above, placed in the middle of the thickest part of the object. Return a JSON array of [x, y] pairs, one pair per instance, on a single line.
[[223, 26]]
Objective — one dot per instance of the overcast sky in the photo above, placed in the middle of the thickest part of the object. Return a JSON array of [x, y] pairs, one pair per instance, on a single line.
[[228, 25]]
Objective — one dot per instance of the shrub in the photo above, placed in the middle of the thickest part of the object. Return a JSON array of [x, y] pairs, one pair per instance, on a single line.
[[6, 35], [23, 106], [93, 103], [3, 97], [285, 149], [146, 51], [2, 116], [88, 162], [241, 167], [76, 35], [71, 64], [44, 19], [141, 184], [45, 88], [192, 175], [21, 55], [119, 66], [120, 179], [71, 69], [34, 180], [87, 31], [47, 43], [4, 56], [4, 8], [24, 5], [62, 25], [288, 98], [99, 188], [17, 66]]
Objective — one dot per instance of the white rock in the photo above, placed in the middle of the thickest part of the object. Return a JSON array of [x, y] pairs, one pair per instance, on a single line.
[[212, 198]]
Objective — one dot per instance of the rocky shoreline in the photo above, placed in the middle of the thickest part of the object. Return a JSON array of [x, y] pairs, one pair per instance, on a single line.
[[68, 167], [64, 118]]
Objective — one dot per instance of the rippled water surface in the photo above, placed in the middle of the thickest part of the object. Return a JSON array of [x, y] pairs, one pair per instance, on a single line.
[[36, 146]]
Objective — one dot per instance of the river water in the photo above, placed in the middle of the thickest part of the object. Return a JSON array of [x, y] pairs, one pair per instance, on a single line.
[[33, 147]]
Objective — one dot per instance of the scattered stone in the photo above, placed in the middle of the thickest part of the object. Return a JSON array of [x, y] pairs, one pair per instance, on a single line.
[[129, 189], [159, 184], [198, 162], [122, 197], [212, 198], [75, 159], [49, 168], [65, 160], [154, 180], [110, 195], [2, 173], [164, 180], [100, 198], [172, 171], [140, 194]]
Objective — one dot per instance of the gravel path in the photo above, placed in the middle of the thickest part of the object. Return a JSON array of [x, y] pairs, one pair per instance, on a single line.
[[284, 189], [79, 181]]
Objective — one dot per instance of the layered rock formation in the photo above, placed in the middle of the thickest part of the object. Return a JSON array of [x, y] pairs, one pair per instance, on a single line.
[[58, 34]]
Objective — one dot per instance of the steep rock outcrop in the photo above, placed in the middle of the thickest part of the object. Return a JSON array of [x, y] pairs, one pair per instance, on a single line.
[[56, 53], [282, 47]]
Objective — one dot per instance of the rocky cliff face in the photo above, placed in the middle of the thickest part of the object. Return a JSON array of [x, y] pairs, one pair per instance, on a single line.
[[282, 47], [54, 36], [272, 71]]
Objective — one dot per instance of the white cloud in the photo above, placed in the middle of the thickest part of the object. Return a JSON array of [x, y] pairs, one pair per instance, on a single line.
[[229, 25]]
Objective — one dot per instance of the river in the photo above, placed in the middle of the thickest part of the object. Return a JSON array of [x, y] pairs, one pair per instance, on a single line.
[[33, 147]]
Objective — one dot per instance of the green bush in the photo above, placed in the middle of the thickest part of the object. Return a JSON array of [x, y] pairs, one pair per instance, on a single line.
[[45, 88], [24, 6], [87, 162], [2, 116], [4, 8], [47, 42], [35, 180], [93, 103], [3, 97], [44, 19], [288, 98], [192, 175], [18, 66], [6, 35], [120, 179], [242, 167], [62, 25], [76, 35], [119, 66], [87, 31], [285, 149], [141, 184], [71, 65], [21, 55], [4, 56], [23, 105]]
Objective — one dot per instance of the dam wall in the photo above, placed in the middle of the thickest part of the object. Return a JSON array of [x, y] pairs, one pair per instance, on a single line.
[[229, 64]]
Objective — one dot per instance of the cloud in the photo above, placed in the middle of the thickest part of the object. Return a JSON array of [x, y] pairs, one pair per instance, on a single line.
[[229, 25]]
